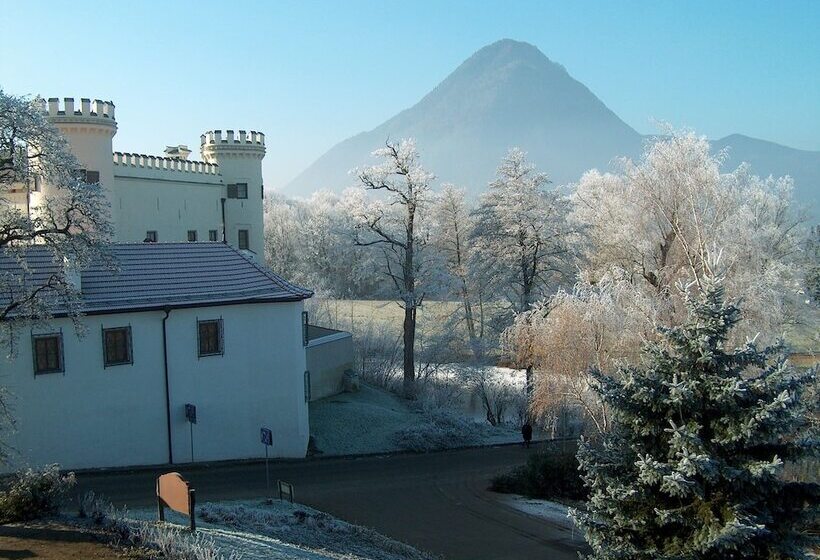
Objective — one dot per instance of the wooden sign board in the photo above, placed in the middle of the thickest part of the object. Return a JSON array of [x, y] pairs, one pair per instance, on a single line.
[[175, 493]]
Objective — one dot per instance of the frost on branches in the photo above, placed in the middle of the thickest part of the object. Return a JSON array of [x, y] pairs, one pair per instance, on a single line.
[[72, 223], [692, 467], [395, 227]]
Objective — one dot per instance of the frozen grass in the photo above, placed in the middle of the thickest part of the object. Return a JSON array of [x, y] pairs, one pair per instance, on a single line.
[[272, 530], [377, 421]]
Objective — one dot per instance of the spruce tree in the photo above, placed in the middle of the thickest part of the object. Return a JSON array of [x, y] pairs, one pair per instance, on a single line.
[[693, 467]]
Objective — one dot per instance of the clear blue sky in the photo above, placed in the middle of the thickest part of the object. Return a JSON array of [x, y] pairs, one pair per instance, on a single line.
[[310, 74]]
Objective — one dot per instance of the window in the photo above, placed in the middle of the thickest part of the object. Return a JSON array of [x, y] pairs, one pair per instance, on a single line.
[[48, 353], [117, 346], [239, 190], [150, 236], [87, 176], [213, 235], [210, 338], [243, 239], [191, 235], [38, 186], [307, 386], [262, 188]]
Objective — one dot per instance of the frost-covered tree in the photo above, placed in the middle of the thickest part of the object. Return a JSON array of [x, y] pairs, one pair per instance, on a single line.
[[453, 225], [655, 222], [71, 223], [521, 232], [309, 242], [562, 337], [692, 468], [393, 225]]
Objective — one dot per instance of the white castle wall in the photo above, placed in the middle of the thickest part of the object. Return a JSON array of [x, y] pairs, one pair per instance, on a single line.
[[167, 196], [239, 156]]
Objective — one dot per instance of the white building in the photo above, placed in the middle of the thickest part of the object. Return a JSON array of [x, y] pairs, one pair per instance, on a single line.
[[167, 198], [188, 318], [176, 324]]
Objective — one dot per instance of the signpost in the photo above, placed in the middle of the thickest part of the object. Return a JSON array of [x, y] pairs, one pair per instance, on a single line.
[[190, 415], [266, 435], [174, 492]]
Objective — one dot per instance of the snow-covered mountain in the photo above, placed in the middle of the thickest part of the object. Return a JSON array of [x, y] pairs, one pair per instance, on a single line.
[[510, 94]]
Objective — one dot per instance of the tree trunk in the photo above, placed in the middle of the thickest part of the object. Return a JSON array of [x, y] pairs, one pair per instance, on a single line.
[[409, 355]]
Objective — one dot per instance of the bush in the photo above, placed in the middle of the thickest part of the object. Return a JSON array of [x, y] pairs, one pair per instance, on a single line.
[[551, 474], [442, 429], [32, 494]]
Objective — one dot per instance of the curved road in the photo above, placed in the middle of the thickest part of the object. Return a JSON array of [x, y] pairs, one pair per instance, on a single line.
[[436, 502]]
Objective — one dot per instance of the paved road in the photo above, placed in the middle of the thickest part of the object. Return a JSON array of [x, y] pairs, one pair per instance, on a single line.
[[437, 502]]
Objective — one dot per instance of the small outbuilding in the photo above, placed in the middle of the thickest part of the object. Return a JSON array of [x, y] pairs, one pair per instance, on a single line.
[[170, 329]]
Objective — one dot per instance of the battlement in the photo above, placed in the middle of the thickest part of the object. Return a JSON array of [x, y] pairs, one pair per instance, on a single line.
[[86, 108], [231, 138], [124, 159]]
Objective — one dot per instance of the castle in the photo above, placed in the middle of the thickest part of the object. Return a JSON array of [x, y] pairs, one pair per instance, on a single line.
[[168, 198]]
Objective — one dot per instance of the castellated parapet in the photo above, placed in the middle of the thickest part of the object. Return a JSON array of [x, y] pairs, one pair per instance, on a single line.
[[142, 161], [87, 110], [231, 138]]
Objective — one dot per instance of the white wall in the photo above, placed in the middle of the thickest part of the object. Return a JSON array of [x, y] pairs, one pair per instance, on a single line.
[[91, 416], [170, 206]]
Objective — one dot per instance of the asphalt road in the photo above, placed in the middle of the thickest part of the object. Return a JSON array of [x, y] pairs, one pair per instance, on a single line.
[[436, 502]]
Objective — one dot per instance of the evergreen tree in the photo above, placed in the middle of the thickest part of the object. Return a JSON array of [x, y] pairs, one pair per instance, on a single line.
[[693, 467]]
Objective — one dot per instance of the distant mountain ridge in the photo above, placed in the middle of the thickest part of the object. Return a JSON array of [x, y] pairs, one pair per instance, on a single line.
[[510, 94]]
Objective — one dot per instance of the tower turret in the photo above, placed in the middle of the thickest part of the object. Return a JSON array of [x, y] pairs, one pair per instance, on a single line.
[[89, 127], [239, 156]]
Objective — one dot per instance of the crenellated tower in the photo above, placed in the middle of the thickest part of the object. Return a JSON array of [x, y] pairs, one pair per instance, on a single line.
[[239, 155], [89, 128]]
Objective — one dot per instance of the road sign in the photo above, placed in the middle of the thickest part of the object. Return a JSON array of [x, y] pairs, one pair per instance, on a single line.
[[266, 435], [190, 413]]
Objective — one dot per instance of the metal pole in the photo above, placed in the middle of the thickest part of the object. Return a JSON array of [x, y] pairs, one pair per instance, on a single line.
[[267, 472], [191, 424]]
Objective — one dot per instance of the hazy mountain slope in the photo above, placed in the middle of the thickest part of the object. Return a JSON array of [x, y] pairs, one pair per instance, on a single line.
[[507, 94]]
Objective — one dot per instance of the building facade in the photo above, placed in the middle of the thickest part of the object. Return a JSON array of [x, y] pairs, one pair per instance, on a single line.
[[167, 198], [175, 324]]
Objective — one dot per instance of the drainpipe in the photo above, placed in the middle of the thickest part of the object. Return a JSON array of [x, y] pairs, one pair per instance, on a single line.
[[167, 384], [224, 227]]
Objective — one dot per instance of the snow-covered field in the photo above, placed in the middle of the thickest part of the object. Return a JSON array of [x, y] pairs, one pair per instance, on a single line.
[[279, 530], [370, 420]]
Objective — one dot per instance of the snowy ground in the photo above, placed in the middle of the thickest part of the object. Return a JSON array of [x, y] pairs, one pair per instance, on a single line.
[[551, 511], [367, 422], [279, 530]]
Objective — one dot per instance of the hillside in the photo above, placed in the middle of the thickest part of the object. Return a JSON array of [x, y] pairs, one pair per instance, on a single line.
[[510, 94]]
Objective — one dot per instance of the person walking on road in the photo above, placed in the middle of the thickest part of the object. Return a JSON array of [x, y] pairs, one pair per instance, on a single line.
[[526, 432]]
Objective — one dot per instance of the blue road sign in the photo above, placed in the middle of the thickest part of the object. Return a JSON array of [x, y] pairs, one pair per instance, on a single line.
[[190, 413], [266, 436]]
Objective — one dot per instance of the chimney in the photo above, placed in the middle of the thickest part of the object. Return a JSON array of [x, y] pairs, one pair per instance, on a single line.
[[177, 152]]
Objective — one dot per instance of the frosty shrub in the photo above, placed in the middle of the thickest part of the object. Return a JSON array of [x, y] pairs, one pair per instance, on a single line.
[[172, 542], [377, 355], [442, 429], [32, 494], [693, 464], [550, 474]]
